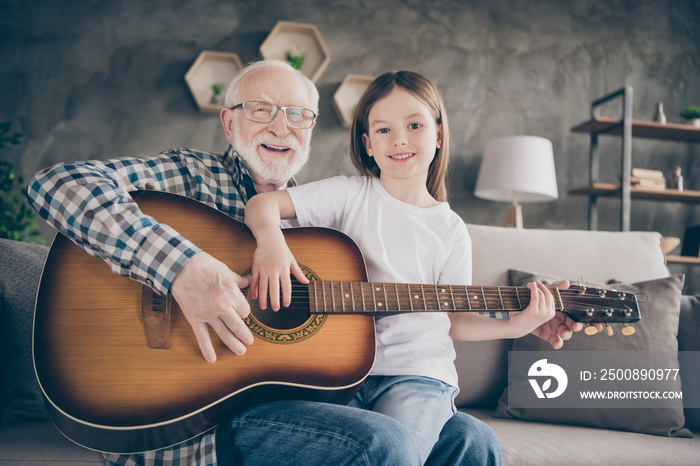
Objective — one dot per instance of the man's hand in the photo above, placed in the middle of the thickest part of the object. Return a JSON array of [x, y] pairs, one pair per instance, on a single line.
[[561, 327], [209, 294]]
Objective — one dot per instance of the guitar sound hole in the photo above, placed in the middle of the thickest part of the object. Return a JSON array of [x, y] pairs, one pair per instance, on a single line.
[[286, 318]]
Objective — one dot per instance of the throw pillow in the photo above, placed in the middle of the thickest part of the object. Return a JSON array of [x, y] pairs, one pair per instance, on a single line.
[[21, 265], [659, 304], [688, 331]]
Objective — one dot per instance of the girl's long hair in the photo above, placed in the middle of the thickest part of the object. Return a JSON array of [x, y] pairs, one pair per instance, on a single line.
[[426, 92]]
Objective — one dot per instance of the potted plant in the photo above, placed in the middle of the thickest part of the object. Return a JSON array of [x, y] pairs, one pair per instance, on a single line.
[[692, 114], [217, 98], [295, 57], [16, 215]]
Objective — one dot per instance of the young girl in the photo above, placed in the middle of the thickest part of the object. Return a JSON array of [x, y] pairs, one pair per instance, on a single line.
[[396, 211]]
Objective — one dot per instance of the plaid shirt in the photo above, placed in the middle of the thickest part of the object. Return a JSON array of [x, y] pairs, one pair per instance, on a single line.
[[89, 203]]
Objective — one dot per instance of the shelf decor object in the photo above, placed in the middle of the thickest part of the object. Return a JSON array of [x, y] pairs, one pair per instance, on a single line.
[[300, 42], [348, 95], [210, 69], [517, 169]]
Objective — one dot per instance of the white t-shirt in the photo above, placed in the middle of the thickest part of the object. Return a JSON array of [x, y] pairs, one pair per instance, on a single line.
[[401, 243]]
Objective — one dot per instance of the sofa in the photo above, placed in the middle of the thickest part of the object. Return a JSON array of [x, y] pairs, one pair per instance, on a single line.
[[633, 261]]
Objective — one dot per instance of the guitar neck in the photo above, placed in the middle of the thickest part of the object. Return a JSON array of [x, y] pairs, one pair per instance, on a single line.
[[331, 297]]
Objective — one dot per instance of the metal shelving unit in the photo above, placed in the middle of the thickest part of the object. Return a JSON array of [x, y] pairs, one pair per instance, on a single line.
[[626, 128]]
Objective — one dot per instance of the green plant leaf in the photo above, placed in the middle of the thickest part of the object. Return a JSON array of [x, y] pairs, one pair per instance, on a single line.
[[16, 215]]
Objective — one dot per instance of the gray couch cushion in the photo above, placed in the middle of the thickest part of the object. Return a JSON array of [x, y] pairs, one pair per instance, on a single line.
[[30, 443], [21, 265], [656, 331], [543, 444]]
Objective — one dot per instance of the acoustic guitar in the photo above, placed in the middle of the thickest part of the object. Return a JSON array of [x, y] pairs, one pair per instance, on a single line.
[[121, 370]]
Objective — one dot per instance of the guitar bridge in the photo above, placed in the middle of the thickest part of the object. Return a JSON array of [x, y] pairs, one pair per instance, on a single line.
[[155, 310]]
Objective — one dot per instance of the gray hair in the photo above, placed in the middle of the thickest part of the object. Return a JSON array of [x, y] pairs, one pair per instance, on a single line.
[[231, 98]]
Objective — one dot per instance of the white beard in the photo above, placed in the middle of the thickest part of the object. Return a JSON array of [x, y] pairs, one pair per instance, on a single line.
[[279, 170]]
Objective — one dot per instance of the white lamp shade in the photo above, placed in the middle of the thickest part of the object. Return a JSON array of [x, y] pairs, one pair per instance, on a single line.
[[517, 169]]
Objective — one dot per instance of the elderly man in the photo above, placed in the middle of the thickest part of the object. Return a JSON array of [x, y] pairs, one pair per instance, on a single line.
[[271, 111]]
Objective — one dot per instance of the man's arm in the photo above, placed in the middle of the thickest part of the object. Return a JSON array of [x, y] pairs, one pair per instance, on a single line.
[[90, 203]]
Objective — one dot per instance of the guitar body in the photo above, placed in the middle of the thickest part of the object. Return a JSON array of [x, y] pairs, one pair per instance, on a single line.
[[107, 390]]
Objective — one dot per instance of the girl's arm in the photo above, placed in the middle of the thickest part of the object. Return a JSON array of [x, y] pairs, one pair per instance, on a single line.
[[272, 261], [470, 327]]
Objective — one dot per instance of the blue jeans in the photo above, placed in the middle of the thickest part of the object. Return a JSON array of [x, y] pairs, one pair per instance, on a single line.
[[318, 434], [423, 405]]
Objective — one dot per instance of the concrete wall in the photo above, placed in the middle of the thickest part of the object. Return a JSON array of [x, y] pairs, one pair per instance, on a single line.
[[86, 79]]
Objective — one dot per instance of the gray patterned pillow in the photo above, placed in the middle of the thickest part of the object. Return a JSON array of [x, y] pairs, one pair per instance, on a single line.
[[657, 331], [20, 266]]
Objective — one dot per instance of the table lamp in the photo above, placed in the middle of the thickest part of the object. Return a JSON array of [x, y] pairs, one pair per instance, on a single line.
[[517, 169]]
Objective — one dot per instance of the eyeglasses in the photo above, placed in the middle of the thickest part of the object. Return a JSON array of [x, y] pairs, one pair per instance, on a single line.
[[264, 112]]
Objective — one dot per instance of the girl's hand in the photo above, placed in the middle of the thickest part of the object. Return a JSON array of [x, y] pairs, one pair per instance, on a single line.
[[560, 327], [538, 312], [273, 263]]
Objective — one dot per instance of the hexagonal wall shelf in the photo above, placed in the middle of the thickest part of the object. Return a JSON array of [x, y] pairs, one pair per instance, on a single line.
[[297, 38], [348, 94], [211, 68]]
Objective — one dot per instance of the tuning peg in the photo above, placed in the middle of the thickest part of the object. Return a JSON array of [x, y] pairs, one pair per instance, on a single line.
[[590, 330], [627, 330], [609, 329]]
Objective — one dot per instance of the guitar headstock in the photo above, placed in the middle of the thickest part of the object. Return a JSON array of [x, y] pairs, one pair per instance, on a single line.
[[591, 305]]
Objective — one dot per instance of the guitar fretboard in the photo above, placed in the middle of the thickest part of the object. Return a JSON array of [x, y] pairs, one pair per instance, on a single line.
[[331, 297]]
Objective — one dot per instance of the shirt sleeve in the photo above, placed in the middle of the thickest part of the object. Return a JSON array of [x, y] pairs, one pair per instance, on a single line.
[[458, 267], [89, 202], [323, 203]]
